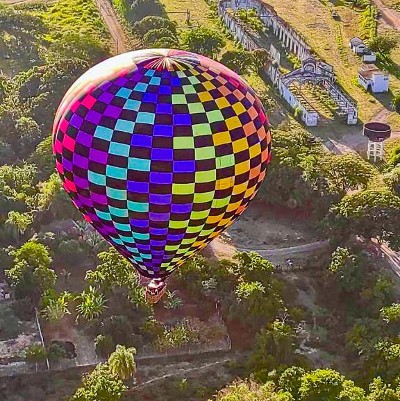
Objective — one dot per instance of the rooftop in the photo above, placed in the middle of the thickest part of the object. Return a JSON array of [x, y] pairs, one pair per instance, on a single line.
[[368, 70], [356, 41]]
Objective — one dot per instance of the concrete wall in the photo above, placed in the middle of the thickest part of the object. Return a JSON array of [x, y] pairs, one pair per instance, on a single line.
[[380, 83]]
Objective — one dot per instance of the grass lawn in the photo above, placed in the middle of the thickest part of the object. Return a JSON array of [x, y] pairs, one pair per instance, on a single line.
[[200, 15], [395, 4], [80, 17], [331, 44]]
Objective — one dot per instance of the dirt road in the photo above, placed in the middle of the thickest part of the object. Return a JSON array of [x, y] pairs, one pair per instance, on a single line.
[[390, 16], [393, 258], [290, 250], [118, 35]]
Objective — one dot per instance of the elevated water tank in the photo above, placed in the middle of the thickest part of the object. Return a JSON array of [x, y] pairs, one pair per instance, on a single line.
[[376, 131]]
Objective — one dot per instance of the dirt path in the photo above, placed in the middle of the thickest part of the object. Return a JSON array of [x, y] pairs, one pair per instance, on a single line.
[[118, 35], [383, 117], [290, 250], [390, 16], [182, 371], [393, 258]]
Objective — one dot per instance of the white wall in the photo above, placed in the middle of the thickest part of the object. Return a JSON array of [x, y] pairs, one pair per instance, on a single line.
[[363, 82], [369, 58], [380, 83]]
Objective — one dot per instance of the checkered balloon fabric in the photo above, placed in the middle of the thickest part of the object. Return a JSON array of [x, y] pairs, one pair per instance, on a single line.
[[161, 150]]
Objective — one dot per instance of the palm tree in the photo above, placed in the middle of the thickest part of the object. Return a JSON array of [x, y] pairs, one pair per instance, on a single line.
[[82, 227], [57, 308], [172, 300], [91, 303], [94, 241], [122, 362]]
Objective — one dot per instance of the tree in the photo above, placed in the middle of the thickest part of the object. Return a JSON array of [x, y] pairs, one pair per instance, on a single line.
[[396, 101], [257, 298], [154, 35], [91, 304], [55, 306], [122, 362], [19, 222], [143, 8], [350, 392], [120, 328], [31, 274], [240, 61], [177, 336], [84, 47], [166, 43], [294, 172], [35, 353], [203, 41], [251, 391], [100, 385], [321, 384], [348, 272], [172, 301], [251, 297], [261, 58], [274, 348], [104, 345], [392, 180], [153, 22], [346, 172], [380, 391], [29, 134], [394, 157], [370, 213], [383, 44], [18, 183], [56, 351], [53, 198], [290, 380], [43, 158], [71, 252], [7, 154], [253, 267], [251, 18], [391, 314], [113, 271]]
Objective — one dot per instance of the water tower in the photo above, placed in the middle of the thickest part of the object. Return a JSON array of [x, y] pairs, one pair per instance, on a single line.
[[377, 133]]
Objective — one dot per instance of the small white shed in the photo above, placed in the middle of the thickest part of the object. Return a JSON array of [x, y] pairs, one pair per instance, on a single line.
[[372, 78], [357, 45]]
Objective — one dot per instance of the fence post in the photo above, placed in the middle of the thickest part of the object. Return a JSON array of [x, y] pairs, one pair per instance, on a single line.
[[41, 336]]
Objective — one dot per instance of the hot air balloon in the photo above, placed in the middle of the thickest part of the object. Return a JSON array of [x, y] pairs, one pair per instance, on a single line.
[[161, 150]]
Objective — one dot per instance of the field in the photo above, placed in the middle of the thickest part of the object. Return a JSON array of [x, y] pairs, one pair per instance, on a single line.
[[395, 4], [72, 18], [200, 14]]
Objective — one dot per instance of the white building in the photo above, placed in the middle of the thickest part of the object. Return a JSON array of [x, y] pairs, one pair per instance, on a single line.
[[357, 45], [370, 77], [368, 56]]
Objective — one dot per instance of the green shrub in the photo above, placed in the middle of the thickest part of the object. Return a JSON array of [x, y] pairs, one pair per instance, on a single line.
[[155, 35], [153, 22], [104, 345]]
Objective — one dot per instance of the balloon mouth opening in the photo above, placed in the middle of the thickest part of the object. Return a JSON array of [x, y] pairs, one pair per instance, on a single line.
[[155, 289]]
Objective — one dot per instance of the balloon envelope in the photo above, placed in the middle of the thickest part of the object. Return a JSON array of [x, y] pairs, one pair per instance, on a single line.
[[160, 150]]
